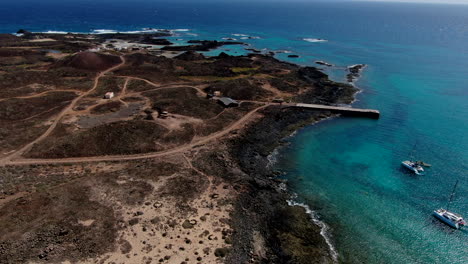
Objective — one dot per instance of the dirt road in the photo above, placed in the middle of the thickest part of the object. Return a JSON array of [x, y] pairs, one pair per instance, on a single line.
[[27, 147], [237, 125], [16, 159]]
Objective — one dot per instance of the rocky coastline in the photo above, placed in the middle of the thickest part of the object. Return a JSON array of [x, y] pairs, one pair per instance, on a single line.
[[291, 236], [354, 72], [261, 227]]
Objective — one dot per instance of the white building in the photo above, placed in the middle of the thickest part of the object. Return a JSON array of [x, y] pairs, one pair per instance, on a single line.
[[109, 95]]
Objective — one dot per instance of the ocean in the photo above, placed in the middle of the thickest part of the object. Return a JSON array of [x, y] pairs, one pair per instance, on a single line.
[[347, 170]]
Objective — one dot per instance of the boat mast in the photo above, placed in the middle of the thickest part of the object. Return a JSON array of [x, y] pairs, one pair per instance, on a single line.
[[451, 195], [411, 154]]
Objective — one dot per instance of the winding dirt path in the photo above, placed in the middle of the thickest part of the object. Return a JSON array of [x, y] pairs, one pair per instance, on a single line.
[[238, 124], [165, 86], [16, 159], [123, 92], [18, 153], [41, 94]]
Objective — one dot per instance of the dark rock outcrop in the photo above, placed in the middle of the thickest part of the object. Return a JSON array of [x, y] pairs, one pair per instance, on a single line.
[[324, 63], [90, 61], [190, 56], [201, 45], [354, 72]]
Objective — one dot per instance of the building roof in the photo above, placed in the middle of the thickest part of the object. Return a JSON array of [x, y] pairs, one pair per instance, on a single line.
[[227, 101]]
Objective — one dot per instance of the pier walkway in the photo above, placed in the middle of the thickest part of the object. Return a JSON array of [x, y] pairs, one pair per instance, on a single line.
[[350, 111]]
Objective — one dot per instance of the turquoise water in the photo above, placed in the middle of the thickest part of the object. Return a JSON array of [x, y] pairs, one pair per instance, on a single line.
[[346, 169]]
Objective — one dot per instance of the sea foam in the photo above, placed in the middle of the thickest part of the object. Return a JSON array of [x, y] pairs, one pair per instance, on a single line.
[[113, 31], [324, 229], [54, 32], [314, 40], [103, 31]]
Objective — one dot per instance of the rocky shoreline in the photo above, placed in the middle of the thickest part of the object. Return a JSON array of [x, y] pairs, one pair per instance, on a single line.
[[290, 235], [224, 188]]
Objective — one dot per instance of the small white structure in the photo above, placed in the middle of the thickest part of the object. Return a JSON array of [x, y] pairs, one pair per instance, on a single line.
[[217, 93], [109, 95]]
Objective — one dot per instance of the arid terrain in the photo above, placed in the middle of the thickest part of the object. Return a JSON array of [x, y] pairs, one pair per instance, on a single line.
[[160, 171]]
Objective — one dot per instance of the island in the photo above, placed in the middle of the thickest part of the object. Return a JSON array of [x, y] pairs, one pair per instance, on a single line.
[[125, 148]]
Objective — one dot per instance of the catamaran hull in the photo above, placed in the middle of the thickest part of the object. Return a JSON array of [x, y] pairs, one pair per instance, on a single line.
[[409, 167], [446, 221]]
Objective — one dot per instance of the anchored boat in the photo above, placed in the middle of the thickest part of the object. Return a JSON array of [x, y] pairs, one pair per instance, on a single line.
[[413, 166], [450, 218]]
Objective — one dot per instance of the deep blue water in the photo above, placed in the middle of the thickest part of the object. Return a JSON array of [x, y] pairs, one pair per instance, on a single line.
[[345, 169]]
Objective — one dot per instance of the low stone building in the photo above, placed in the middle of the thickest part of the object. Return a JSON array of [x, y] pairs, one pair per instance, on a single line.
[[228, 102]]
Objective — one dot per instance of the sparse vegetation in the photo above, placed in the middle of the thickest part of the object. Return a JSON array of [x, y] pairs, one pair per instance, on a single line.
[[184, 101], [193, 188], [117, 138], [112, 106], [245, 69]]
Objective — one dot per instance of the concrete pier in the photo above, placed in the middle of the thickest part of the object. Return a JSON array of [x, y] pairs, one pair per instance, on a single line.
[[350, 111]]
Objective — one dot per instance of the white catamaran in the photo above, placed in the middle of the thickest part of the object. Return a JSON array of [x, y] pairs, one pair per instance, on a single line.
[[413, 166], [451, 219]]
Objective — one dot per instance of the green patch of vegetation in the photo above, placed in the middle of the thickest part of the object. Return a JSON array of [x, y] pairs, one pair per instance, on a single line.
[[210, 78], [240, 69]]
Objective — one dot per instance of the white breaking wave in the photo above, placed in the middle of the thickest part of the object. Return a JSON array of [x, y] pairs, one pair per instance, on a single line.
[[273, 157], [54, 32], [283, 51], [113, 31], [314, 40], [103, 31], [324, 229], [355, 65], [245, 36]]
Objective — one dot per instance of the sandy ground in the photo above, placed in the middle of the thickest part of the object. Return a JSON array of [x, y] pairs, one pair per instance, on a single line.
[[153, 239], [157, 232], [42, 40]]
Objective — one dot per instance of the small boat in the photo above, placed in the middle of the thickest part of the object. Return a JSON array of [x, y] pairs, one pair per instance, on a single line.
[[450, 218], [413, 166]]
